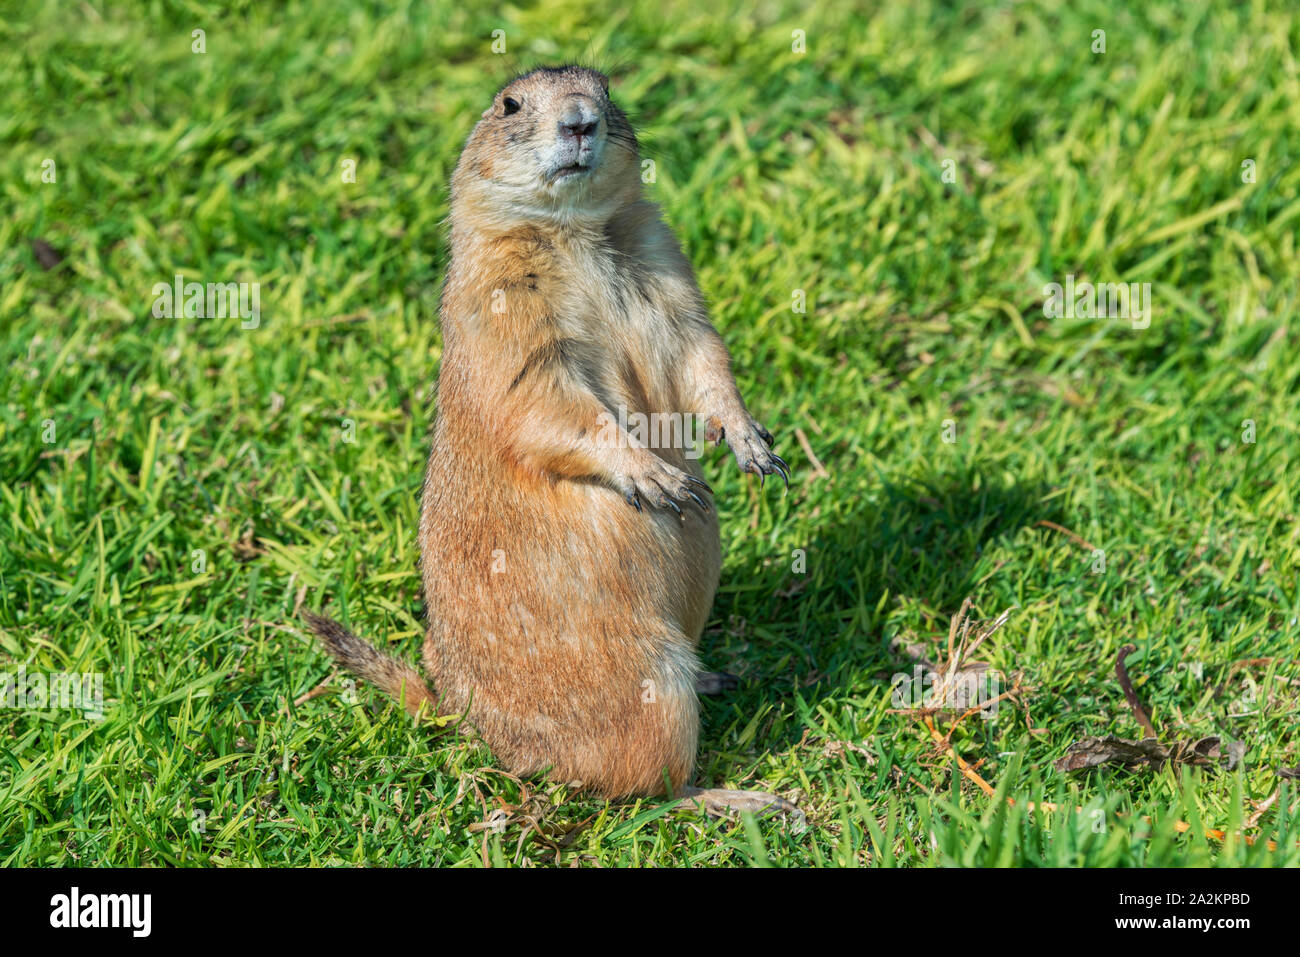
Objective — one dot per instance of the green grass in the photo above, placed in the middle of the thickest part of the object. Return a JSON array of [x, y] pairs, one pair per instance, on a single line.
[[780, 172]]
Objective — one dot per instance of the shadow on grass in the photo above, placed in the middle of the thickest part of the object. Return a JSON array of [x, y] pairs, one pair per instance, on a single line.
[[918, 539]]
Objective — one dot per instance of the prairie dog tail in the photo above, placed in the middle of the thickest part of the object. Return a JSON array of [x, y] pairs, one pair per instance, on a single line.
[[390, 675]]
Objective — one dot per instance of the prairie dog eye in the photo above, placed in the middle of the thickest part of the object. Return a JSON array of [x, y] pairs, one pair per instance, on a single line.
[[511, 105]]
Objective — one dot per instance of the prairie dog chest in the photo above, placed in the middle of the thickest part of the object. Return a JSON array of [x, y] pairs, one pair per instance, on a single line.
[[626, 311]]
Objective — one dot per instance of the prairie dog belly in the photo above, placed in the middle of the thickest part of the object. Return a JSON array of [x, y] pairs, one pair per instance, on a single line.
[[568, 615], [567, 557]]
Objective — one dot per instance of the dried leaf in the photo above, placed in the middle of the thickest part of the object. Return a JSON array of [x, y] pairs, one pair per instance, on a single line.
[[1091, 752], [248, 547]]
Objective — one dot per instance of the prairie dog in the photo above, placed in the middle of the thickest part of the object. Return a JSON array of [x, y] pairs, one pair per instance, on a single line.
[[568, 563]]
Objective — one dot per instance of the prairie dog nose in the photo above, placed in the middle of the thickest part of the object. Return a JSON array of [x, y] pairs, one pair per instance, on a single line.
[[578, 117]]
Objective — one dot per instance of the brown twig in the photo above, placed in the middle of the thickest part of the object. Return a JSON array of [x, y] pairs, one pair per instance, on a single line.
[[818, 471], [323, 688], [1068, 534], [966, 769], [1015, 690], [960, 647], [959, 620], [1138, 712], [1261, 808]]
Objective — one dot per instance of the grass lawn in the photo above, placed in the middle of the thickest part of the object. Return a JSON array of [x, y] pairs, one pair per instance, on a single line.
[[173, 489]]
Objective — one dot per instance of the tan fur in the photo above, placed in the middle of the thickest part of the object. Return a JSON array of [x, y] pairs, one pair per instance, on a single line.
[[568, 578]]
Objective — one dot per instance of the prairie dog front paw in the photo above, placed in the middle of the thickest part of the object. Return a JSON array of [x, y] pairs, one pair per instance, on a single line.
[[750, 443], [663, 486]]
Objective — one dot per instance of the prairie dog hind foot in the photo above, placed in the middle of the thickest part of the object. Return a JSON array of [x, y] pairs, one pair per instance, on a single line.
[[720, 802]]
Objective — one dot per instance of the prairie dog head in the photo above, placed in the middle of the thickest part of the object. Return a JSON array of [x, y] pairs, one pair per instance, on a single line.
[[552, 147]]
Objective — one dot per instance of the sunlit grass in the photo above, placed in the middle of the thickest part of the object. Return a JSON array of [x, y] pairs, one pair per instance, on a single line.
[[170, 489]]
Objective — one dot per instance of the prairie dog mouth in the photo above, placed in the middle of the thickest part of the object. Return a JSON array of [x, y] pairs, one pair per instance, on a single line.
[[570, 170]]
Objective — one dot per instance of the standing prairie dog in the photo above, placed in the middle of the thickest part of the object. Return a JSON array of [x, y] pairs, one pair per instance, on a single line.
[[568, 563]]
